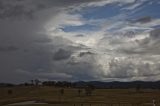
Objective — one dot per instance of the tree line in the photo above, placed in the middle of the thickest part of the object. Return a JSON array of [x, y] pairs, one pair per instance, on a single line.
[[96, 84]]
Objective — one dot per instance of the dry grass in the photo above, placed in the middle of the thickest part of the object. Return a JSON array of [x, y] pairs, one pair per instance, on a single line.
[[100, 97]]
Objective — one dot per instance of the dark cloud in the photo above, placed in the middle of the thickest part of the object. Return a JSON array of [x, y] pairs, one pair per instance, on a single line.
[[8, 49], [85, 53], [85, 69], [62, 54], [8, 9], [17, 9], [42, 40], [129, 34], [144, 20], [155, 34], [80, 35]]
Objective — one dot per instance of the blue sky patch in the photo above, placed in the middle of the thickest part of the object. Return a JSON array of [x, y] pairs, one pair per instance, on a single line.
[[107, 11], [86, 27]]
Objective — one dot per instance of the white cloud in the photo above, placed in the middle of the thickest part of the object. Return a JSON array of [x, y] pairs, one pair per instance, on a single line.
[[63, 19], [104, 2], [117, 56]]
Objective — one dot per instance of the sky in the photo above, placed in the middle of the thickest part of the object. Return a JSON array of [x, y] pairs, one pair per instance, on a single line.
[[79, 40]]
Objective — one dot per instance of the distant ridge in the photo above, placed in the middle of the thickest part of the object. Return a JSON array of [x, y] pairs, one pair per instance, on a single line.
[[98, 84], [117, 84]]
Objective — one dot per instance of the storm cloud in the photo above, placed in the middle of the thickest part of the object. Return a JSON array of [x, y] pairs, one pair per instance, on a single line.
[[61, 54], [79, 40]]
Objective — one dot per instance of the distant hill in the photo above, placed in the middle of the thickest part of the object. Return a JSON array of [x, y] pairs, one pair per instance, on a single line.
[[97, 84], [6, 85], [116, 84]]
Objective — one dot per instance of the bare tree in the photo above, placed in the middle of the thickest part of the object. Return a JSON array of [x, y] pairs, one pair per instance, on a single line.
[[89, 89], [32, 82], [62, 92], [37, 82], [79, 92]]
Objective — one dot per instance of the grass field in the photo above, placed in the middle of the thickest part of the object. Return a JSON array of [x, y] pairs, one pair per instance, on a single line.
[[99, 97]]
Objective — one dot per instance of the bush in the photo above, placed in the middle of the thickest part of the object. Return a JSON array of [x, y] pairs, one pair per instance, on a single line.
[[10, 92]]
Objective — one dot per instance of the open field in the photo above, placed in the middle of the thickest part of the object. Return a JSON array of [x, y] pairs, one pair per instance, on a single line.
[[99, 97]]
